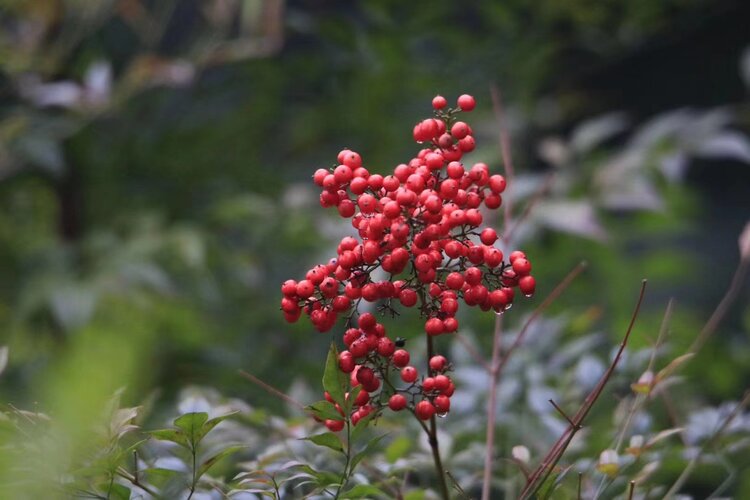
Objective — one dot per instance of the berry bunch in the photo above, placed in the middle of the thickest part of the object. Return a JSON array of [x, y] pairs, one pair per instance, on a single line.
[[421, 225]]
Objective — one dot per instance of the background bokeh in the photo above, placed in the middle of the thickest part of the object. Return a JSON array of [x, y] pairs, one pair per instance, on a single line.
[[155, 163]]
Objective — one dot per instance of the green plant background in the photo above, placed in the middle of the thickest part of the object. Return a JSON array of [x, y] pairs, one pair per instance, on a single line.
[[143, 240]]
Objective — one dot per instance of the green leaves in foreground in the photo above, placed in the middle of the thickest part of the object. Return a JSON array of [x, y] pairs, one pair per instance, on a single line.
[[190, 430]]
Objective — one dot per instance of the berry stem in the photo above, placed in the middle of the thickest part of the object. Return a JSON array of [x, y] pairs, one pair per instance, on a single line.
[[432, 435]]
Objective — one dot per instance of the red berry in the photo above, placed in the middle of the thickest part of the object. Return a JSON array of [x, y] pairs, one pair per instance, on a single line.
[[441, 382], [401, 358], [466, 102], [488, 236], [397, 402], [450, 325], [346, 361], [409, 374], [334, 425], [442, 403], [522, 266], [424, 410], [454, 281], [305, 288], [527, 285], [439, 102], [289, 288], [386, 347], [516, 254], [367, 321], [438, 363], [459, 130], [433, 326]]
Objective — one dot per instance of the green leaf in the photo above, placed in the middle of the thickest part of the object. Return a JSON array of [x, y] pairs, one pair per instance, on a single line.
[[191, 424], [334, 380], [325, 410], [174, 435], [210, 424], [327, 439], [398, 448], [361, 427], [414, 495], [363, 491], [366, 451], [349, 403], [119, 492], [548, 487], [212, 461]]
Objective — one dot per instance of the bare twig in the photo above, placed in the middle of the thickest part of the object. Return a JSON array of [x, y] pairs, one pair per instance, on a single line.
[[492, 408], [640, 398], [538, 311], [539, 476], [726, 302], [271, 389], [504, 140], [561, 412]]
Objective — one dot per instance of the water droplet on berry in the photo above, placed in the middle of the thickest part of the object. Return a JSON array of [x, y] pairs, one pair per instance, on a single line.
[[508, 306], [442, 415], [499, 313]]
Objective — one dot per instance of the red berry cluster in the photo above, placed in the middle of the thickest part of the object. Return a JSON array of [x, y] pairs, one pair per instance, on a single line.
[[420, 225]]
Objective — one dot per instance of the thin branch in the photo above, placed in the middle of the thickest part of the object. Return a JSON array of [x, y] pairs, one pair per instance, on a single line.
[[492, 407], [538, 311], [640, 398], [504, 140], [561, 412], [553, 456], [271, 389], [721, 310]]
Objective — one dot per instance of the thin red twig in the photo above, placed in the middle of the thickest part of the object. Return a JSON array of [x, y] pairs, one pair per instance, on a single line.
[[553, 456]]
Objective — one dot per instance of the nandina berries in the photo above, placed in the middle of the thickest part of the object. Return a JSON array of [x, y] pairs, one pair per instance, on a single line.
[[417, 241]]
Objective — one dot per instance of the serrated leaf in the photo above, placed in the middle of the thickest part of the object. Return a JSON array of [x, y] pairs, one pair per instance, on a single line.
[[362, 491], [173, 435], [214, 459], [210, 424], [191, 424], [366, 451], [327, 439], [324, 410], [334, 380]]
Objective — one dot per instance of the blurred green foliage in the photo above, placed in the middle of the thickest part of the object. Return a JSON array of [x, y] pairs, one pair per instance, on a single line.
[[155, 161]]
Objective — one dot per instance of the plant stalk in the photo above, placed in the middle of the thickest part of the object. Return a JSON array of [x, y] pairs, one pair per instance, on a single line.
[[433, 438]]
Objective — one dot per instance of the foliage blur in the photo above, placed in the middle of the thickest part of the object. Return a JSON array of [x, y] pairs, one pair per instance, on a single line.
[[155, 159]]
